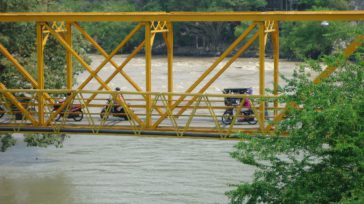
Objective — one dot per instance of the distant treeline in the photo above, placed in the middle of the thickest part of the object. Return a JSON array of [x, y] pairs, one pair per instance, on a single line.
[[299, 40]]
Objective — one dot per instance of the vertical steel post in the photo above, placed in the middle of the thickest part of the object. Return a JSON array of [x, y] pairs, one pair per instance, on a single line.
[[262, 73], [69, 56], [148, 73], [170, 61], [40, 65], [275, 41]]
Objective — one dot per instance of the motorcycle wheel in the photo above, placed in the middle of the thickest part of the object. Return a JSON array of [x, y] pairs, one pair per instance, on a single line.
[[78, 115], [103, 115], [2, 112], [58, 117], [252, 122], [227, 117], [248, 114]]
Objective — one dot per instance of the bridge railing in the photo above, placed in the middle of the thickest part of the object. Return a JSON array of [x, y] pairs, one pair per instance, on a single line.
[[221, 115]]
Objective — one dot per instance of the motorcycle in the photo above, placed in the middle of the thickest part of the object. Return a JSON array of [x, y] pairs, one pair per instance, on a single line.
[[14, 110], [75, 111], [244, 116], [114, 111]]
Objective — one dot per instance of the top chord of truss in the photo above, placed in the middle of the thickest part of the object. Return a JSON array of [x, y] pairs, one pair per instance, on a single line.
[[183, 16]]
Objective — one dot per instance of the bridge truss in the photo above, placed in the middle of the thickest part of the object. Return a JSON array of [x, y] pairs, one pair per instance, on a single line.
[[191, 113]]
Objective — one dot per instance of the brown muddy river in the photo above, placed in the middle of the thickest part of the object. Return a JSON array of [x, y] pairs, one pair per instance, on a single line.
[[109, 169], [129, 169]]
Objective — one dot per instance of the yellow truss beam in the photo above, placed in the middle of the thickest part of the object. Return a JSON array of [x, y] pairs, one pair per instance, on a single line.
[[262, 42], [184, 16], [69, 66], [22, 70], [108, 58], [148, 72], [18, 66], [210, 69], [161, 22], [350, 49], [275, 45], [168, 39], [119, 69], [84, 64], [40, 66]]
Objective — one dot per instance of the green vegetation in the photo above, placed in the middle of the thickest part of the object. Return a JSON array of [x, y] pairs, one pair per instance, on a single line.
[[321, 160], [312, 40], [19, 39], [299, 40], [6, 141]]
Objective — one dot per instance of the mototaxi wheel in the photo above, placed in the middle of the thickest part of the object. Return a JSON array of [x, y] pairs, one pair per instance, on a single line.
[[227, 117], [250, 117], [77, 115]]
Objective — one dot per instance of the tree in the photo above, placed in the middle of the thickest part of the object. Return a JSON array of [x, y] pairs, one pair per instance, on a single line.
[[321, 160], [302, 40], [108, 34], [22, 47], [19, 39], [217, 35], [309, 4]]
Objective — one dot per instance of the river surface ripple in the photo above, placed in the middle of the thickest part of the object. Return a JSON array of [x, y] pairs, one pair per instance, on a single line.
[[110, 169]]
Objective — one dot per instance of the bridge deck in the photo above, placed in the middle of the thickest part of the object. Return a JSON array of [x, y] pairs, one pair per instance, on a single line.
[[202, 118]]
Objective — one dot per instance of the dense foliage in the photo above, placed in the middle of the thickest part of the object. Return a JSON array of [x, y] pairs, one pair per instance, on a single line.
[[312, 40], [300, 40], [19, 39], [321, 160]]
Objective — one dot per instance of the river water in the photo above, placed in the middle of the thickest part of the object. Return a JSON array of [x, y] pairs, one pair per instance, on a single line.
[[129, 169], [110, 169]]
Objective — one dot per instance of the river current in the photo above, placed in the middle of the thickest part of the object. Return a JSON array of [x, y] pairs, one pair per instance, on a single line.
[[110, 169]]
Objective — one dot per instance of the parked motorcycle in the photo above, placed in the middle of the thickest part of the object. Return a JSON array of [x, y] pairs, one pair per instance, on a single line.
[[25, 101], [114, 112], [75, 111]]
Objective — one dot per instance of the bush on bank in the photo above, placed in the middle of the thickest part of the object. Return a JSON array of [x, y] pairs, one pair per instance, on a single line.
[[321, 160]]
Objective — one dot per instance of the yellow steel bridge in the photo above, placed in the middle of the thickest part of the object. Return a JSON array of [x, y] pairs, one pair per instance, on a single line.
[[191, 113]]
